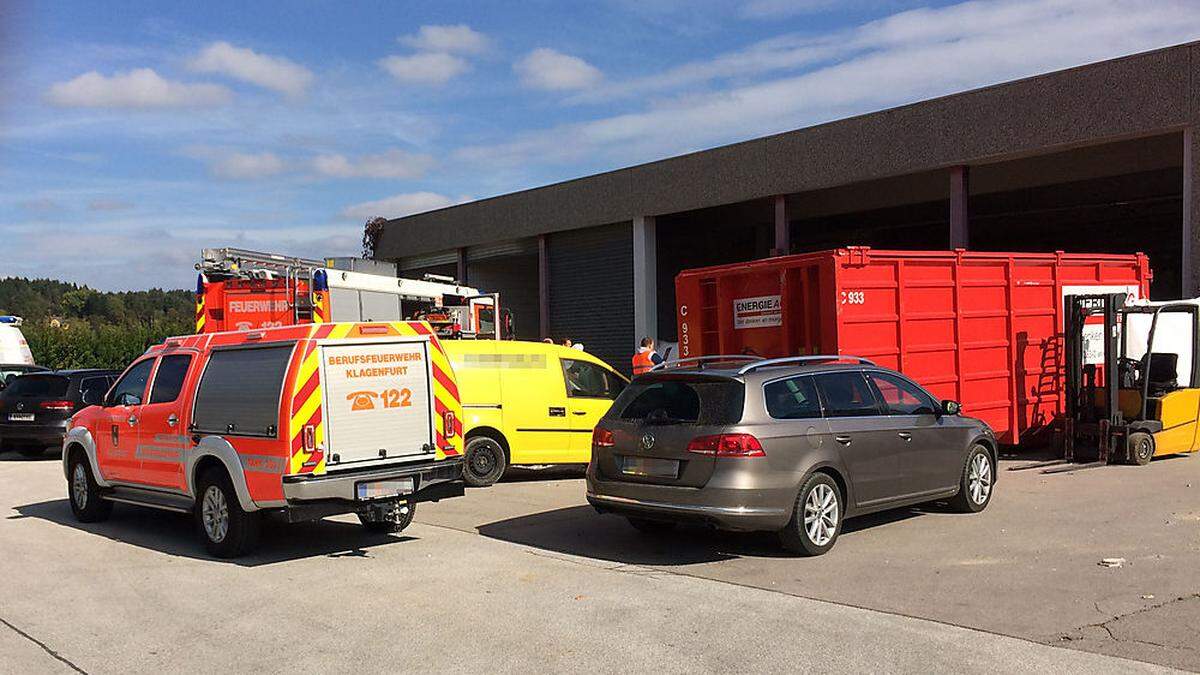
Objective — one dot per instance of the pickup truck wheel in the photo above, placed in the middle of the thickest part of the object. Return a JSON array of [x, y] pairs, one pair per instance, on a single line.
[[86, 503], [484, 462], [393, 519], [228, 530]]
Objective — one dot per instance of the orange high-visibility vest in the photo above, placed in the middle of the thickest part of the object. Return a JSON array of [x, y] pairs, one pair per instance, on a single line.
[[642, 362]]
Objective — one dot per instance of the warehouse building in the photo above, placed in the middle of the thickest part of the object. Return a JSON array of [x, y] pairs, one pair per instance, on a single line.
[[1099, 158]]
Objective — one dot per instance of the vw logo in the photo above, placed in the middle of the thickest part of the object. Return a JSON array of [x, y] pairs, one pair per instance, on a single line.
[[648, 441], [21, 406]]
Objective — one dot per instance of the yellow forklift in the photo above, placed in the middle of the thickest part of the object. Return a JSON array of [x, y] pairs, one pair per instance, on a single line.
[[1133, 382]]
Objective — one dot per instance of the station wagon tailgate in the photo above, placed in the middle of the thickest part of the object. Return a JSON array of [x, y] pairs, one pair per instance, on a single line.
[[378, 401]]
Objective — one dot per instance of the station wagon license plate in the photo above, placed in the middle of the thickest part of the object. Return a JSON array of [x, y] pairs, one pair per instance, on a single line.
[[650, 467], [20, 417], [382, 489]]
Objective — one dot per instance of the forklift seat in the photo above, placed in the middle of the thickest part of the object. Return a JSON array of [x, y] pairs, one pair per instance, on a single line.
[[1162, 371]]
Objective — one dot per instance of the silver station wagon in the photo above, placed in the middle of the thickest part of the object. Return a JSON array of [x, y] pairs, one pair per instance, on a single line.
[[792, 445]]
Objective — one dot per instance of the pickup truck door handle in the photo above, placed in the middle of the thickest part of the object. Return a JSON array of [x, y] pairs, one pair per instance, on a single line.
[[132, 420], [844, 440], [905, 435], [172, 419]]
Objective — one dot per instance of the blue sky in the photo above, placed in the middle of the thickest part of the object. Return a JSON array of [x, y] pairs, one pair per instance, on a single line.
[[133, 134]]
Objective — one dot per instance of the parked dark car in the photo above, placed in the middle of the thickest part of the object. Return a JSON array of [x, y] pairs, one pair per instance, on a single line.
[[9, 371], [35, 407], [789, 445]]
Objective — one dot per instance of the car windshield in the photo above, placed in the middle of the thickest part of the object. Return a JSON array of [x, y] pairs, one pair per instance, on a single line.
[[715, 401], [49, 386]]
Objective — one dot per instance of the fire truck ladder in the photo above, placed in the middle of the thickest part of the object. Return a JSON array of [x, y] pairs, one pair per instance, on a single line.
[[230, 262]]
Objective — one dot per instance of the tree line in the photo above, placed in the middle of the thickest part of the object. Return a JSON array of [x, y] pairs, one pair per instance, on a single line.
[[73, 326]]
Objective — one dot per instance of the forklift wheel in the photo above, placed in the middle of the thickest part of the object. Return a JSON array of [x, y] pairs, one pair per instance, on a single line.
[[1141, 448]]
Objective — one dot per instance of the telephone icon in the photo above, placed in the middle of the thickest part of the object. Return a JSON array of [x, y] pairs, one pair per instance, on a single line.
[[362, 400]]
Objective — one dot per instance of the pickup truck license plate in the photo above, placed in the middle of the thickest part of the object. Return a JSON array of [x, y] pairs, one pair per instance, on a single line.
[[20, 417], [650, 467], [382, 489]]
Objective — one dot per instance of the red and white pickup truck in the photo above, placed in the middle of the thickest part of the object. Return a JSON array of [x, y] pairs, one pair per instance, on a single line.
[[308, 421]]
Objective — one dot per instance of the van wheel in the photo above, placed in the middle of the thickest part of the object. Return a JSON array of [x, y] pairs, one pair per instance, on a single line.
[[86, 503], [975, 485], [1141, 448], [485, 461], [816, 518], [394, 518], [228, 530]]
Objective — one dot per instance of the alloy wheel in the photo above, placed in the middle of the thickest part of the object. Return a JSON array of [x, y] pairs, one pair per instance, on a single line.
[[979, 479], [215, 514], [79, 486], [821, 514]]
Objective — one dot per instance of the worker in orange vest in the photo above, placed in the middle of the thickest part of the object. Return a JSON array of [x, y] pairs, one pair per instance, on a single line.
[[645, 358]]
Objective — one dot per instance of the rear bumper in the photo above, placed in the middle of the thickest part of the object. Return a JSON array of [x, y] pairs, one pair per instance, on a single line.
[[49, 434], [727, 508], [432, 481]]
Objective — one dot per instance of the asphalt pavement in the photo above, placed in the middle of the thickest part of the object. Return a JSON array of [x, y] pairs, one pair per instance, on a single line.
[[524, 575]]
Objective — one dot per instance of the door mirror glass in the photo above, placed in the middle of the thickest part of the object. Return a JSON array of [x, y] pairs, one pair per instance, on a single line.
[[951, 408]]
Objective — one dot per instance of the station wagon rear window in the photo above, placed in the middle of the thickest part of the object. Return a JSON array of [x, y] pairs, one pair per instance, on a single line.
[[240, 390], [682, 401]]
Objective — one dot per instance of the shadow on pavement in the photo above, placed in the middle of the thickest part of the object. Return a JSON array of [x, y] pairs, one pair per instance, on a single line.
[[580, 531], [525, 474], [175, 534]]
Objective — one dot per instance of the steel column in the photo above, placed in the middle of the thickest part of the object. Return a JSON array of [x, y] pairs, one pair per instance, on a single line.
[[783, 230], [1190, 245], [645, 277], [960, 218], [543, 287]]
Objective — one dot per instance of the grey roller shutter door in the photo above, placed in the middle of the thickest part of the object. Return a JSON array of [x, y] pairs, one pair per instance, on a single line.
[[591, 291]]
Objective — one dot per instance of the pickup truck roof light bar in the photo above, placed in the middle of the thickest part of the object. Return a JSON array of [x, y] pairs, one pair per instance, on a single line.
[[799, 360]]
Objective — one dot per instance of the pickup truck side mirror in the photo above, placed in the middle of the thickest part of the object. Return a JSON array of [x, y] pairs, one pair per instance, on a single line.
[[951, 407], [126, 398]]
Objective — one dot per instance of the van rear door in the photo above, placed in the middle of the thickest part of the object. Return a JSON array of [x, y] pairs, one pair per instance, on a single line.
[[378, 402]]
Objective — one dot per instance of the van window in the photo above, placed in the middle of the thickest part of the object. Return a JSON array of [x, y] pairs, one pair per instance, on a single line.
[[699, 401], [240, 390], [846, 394], [792, 399], [168, 381], [588, 380]]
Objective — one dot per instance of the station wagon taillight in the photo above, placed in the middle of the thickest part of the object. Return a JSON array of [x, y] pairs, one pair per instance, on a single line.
[[602, 438], [56, 405], [726, 445]]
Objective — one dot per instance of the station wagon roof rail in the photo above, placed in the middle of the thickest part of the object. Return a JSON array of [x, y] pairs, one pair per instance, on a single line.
[[795, 360], [700, 361]]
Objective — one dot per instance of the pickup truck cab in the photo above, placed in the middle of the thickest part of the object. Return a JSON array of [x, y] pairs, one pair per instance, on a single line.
[[304, 421]]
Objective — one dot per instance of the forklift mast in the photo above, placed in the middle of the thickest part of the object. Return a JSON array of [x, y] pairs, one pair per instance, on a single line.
[[1083, 379]]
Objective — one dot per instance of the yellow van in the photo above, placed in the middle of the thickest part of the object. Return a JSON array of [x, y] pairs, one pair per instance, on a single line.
[[528, 403]]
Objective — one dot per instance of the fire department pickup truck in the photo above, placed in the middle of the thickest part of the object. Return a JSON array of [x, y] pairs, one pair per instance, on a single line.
[[306, 421]]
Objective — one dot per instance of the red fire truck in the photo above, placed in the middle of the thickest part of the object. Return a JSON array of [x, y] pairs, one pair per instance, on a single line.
[[237, 289]]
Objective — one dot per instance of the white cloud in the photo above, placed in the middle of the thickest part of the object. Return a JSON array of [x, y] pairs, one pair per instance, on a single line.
[[390, 164], [140, 88], [460, 39], [241, 165], [399, 205], [906, 57], [270, 72], [546, 68], [432, 68]]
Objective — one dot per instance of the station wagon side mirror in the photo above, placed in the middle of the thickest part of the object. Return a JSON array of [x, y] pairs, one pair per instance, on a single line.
[[951, 407]]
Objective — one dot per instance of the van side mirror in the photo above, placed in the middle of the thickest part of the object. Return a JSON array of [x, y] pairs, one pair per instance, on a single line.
[[951, 407]]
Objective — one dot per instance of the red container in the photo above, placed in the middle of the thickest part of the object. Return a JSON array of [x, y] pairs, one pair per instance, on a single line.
[[984, 329]]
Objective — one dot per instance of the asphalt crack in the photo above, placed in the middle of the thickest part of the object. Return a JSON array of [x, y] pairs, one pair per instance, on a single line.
[[1104, 625], [46, 648]]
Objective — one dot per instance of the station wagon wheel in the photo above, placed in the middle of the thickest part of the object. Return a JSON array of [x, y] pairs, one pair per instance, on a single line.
[[977, 482], [228, 530], [816, 517], [86, 503]]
